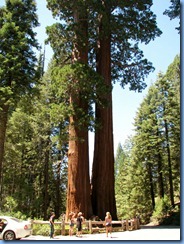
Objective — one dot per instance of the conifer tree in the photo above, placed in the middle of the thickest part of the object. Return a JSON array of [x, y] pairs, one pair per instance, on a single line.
[[157, 127], [118, 59], [35, 158], [17, 71], [78, 193], [108, 38]]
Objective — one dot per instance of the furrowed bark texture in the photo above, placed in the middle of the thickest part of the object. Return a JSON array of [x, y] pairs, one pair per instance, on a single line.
[[78, 193], [103, 192]]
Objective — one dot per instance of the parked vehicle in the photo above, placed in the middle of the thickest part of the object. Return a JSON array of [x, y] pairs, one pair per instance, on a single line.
[[14, 229]]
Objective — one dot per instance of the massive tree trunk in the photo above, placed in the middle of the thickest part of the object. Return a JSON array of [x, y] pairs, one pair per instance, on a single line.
[[78, 194], [3, 125], [103, 192]]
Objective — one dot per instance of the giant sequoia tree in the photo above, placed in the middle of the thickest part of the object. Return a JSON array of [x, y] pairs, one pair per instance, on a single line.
[[113, 30], [78, 194], [17, 71], [121, 26]]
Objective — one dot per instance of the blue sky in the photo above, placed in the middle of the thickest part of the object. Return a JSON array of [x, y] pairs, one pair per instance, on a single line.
[[161, 53]]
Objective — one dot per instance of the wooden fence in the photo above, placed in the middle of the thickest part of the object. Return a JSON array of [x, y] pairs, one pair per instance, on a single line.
[[97, 226]]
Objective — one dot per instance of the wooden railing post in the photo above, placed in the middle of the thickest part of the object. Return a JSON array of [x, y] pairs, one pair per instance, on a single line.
[[122, 224], [127, 224], [131, 224], [63, 228], [90, 227], [31, 221], [138, 223], [135, 223]]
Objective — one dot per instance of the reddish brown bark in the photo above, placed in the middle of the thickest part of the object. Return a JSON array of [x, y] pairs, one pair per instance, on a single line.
[[78, 193], [78, 197], [103, 193]]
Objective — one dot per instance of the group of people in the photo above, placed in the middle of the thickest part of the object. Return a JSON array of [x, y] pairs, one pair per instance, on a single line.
[[78, 221], [72, 221]]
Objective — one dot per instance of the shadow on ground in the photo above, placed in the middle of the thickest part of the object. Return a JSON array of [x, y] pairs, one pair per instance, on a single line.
[[159, 227]]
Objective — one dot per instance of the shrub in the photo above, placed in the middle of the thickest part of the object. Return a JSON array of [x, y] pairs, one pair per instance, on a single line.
[[41, 229], [17, 215], [162, 208]]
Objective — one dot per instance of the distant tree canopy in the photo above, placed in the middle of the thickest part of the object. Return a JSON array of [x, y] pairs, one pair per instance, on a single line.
[[174, 11]]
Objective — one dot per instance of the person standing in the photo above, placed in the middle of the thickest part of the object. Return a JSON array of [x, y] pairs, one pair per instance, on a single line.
[[79, 224], [71, 223], [108, 223], [51, 221]]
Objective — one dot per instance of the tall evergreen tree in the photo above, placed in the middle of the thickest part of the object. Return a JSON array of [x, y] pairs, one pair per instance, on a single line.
[[172, 116], [51, 147], [83, 86], [166, 88], [78, 194], [17, 71], [35, 158], [121, 26], [157, 127], [106, 22]]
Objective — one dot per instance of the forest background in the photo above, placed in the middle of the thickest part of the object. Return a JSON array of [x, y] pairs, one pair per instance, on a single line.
[[13, 195]]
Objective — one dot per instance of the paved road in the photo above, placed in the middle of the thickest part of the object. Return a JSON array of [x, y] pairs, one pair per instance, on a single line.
[[145, 233]]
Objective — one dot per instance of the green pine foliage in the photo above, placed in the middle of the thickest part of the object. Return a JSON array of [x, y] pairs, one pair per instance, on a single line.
[[162, 209], [174, 11], [36, 151], [148, 176], [17, 20], [18, 60]]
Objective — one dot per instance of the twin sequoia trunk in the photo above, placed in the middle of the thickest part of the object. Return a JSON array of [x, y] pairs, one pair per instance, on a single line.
[[103, 193], [79, 189], [78, 197]]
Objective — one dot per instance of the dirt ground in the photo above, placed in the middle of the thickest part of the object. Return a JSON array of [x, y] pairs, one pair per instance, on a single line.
[[146, 233]]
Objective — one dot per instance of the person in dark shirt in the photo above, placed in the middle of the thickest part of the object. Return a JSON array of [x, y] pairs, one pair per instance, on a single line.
[[51, 220]]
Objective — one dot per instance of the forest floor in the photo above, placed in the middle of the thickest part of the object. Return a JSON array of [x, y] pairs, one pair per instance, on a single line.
[[145, 233]]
